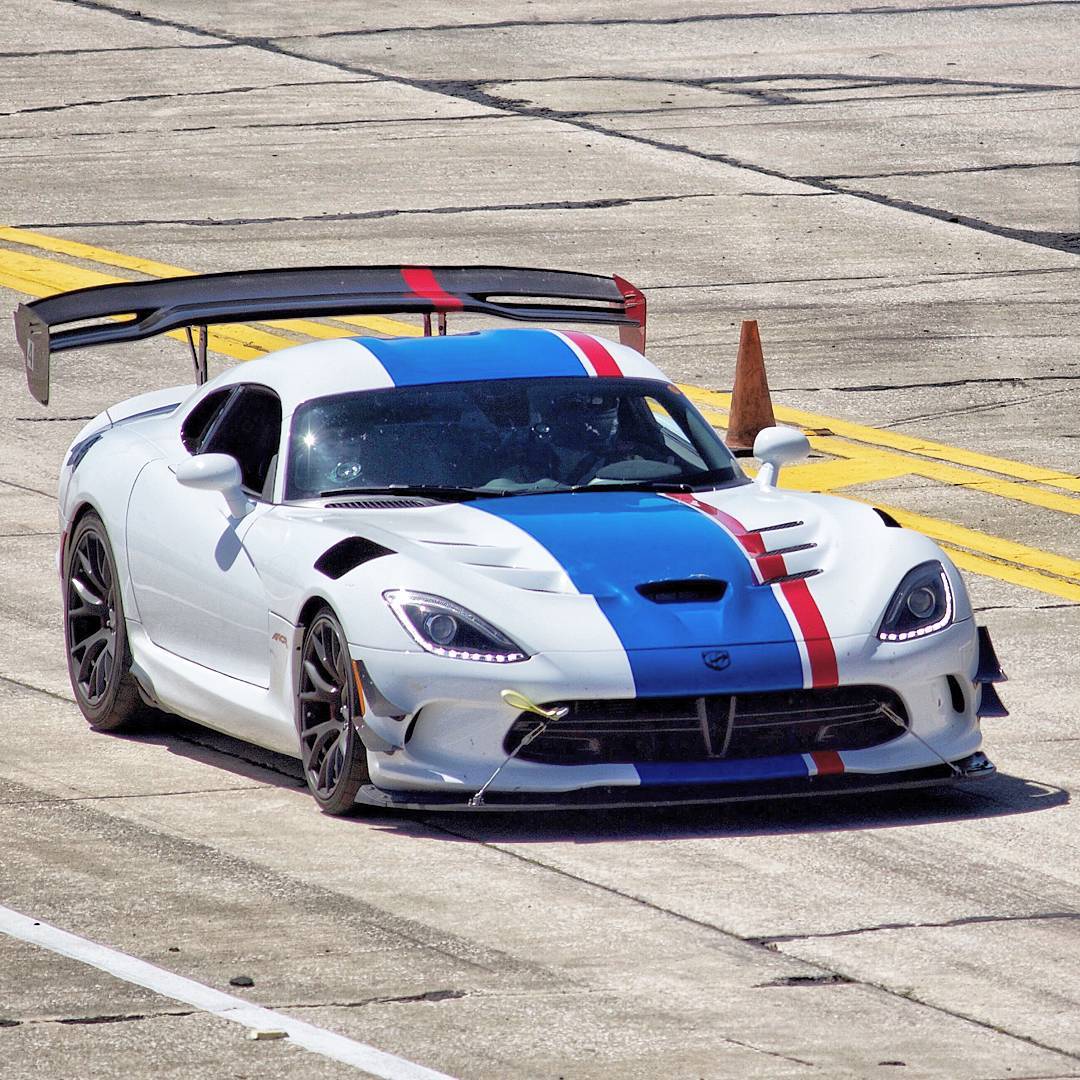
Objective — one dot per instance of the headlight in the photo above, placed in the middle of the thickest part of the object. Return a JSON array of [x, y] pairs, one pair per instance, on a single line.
[[921, 605], [447, 629]]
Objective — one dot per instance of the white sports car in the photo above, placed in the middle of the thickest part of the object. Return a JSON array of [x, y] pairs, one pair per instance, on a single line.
[[512, 568]]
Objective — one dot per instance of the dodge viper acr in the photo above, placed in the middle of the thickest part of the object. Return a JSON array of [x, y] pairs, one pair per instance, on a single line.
[[505, 568]]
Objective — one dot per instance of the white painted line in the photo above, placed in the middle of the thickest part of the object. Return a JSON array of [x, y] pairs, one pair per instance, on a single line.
[[205, 998]]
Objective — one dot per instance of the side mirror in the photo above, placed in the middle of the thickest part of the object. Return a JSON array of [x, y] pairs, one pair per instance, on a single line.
[[776, 446], [216, 472]]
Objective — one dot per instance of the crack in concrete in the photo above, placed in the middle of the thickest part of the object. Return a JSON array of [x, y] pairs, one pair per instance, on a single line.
[[64, 801], [20, 685], [1019, 380], [31, 490], [830, 979], [765, 83], [679, 20], [372, 215], [969, 920], [51, 419], [406, 999], [125, 1018], [472, 91], [111, 49], [823, 969], [297, 125], [988, 407], [1002, 167], [180, 94]]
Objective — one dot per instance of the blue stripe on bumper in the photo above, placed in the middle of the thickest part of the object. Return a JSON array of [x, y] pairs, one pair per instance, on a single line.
[[719, 772]]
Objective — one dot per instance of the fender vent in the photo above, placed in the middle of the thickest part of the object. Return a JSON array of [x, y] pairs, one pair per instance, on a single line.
[[398, 502], [348, 554], [685, 591]]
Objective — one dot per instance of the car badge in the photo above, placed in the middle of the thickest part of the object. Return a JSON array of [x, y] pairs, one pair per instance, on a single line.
[[717, 659]]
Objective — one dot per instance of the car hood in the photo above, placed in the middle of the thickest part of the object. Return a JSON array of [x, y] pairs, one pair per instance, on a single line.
[[640, 555]]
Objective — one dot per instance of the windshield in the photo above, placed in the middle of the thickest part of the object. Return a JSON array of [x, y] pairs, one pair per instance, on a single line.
[[505, 437]]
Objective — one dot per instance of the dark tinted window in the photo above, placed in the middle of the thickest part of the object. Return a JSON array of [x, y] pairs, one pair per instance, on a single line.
[[505, 436], [200, 419], [250, 431]]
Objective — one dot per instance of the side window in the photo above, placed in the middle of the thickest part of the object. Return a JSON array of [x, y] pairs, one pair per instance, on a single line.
[[673, 434], [202, 417], [250, 431]]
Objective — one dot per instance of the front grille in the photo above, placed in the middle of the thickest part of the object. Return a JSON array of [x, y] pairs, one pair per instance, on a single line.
[[719, 726]]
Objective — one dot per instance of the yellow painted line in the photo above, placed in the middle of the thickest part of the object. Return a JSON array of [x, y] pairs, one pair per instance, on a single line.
[[1015, 575], [952, 475], [382, 325], [931, 470], [908, 444], [959, 536], [859, 454], [44, 277], [833, 475], [77, 250], [978, 552]]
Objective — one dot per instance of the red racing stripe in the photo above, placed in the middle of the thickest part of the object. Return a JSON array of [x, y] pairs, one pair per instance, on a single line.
[[421, 281], [828, 762], [819, 646], [771, 566], [815, 634], [597, 355]]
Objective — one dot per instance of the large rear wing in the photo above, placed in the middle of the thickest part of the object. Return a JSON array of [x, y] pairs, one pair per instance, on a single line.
[[140, 309]]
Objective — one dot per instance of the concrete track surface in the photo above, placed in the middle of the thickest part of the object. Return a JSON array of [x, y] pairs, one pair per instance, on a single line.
[[891, 191]]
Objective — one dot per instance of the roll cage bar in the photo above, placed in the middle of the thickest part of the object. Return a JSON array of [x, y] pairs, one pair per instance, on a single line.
[[131, 311]]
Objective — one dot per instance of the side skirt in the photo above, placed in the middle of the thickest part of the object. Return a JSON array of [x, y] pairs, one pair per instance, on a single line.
[[256, 714]]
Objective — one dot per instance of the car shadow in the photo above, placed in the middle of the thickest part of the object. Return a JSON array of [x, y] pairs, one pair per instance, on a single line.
[[1002, 795]]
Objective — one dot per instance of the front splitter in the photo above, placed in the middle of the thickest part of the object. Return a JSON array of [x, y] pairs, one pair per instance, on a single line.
[[618, 797]]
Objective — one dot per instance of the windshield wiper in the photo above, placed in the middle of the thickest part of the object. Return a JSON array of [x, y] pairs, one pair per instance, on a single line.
[[631, 485], [428, 491], [693, 482]]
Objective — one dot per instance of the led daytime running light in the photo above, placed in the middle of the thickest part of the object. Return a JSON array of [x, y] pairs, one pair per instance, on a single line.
[[931, 628], [496, 648]]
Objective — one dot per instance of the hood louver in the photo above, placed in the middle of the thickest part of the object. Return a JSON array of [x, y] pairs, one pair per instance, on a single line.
[[383, 502]]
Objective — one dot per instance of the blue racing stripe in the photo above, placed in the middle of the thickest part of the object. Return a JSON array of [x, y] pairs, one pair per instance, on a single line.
[[486, 354], [609, 542], [722, 772]]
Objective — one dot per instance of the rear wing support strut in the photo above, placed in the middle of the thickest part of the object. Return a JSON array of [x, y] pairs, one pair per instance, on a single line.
[[132, 311], [198, 351]]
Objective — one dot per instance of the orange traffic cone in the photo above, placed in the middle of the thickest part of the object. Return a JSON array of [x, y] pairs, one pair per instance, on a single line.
[[751, 406]]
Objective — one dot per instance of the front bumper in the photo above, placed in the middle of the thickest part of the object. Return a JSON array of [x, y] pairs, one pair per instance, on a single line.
[[975, 767], [449, 739]]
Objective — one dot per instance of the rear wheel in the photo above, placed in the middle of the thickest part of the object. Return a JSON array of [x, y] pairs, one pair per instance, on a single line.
[[327, 714], [95, 635]]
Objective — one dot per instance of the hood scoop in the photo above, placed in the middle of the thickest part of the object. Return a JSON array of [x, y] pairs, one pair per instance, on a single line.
[[684, 591]]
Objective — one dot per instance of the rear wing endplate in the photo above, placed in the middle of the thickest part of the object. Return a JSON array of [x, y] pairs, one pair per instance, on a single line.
[[131, 311]]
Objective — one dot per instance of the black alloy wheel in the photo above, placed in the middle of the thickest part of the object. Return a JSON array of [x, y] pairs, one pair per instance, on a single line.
[[98, 656], [327, 715]]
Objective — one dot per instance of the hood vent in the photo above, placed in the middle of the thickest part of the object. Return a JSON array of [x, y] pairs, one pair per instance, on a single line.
[[683, 591], [382, 502], [347, 555]]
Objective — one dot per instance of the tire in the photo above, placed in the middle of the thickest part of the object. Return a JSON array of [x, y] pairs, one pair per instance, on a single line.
[[95, 634], [327, 709]]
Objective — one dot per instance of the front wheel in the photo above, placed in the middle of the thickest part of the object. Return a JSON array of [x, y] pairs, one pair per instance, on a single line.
[[95, 635], [327, 715]]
